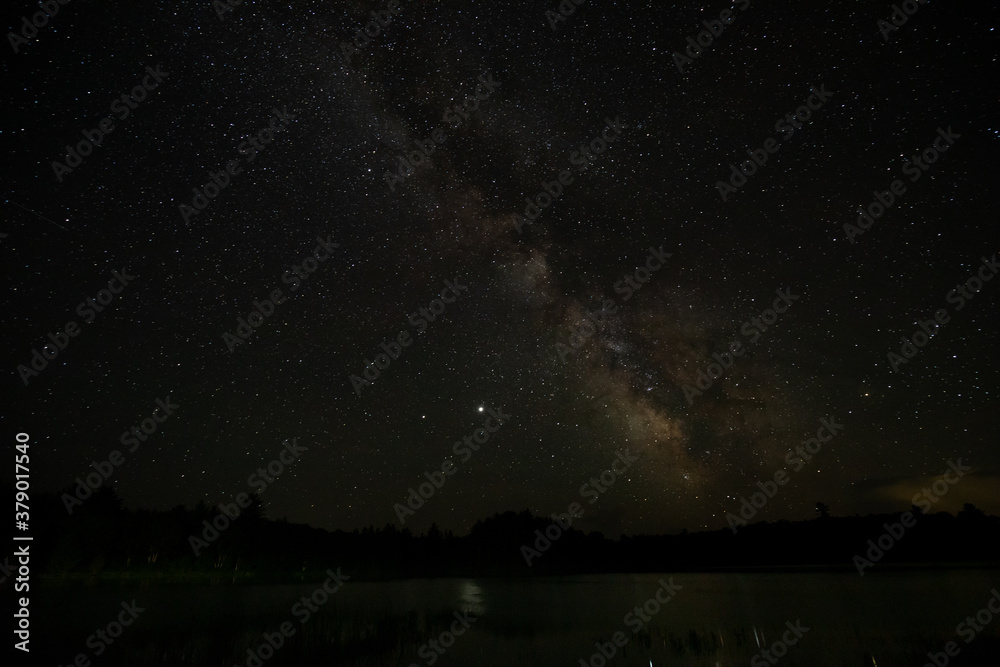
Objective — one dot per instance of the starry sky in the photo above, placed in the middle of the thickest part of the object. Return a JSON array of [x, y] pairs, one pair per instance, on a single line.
[[526, 288]]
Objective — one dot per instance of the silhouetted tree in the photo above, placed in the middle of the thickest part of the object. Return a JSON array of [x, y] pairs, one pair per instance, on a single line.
[[970, 511], [255, 511], [103, 538], [434, 533]]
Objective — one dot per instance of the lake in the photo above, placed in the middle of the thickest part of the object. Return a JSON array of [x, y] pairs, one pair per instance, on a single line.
[[883, 619]]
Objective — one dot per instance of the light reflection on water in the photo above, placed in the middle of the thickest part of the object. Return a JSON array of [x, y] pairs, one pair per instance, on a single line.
[[715, 620], [471, 598]]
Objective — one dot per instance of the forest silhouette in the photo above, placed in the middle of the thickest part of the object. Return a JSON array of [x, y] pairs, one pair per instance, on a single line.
[[104, 539]]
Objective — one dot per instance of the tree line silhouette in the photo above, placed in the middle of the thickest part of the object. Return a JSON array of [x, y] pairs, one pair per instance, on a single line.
[[104, 539]]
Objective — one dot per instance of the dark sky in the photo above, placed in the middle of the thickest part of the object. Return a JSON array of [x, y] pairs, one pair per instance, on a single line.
[[494, 347]]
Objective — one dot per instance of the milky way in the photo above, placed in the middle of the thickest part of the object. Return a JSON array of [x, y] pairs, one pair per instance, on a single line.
[[591, 129]]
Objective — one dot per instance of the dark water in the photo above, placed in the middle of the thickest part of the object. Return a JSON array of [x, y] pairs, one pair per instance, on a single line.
[[713, 619]]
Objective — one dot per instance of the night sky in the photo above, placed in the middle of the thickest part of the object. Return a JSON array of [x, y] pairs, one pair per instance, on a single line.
[[664, 140]]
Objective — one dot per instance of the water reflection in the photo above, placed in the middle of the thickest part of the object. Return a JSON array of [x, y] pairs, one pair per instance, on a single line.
[[715, 620], [471, 598]]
